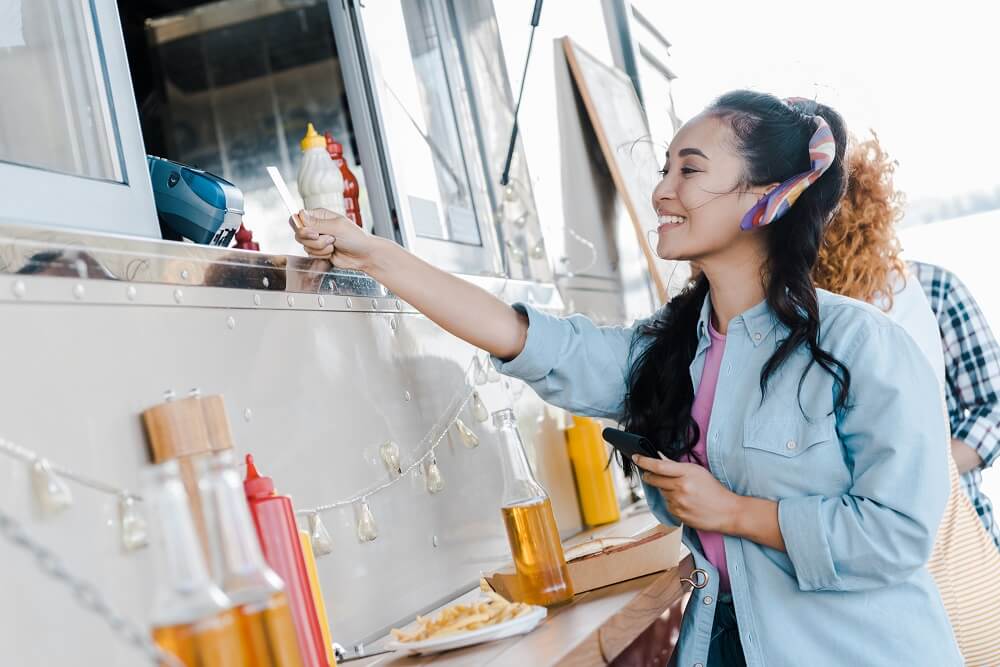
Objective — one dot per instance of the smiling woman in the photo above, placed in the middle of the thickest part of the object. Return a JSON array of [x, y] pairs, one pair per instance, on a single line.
[[812, 514]]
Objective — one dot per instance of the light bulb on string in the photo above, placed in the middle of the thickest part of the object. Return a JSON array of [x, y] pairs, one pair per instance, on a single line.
[[390, 457], [322, 544], [481, 375], [435, 482], [367, 531], [469, 439], [479, 410], [492, 374], [133, 525], [51, 491]]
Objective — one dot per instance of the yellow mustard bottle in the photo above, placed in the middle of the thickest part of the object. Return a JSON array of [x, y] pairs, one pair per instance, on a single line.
[[594, 483], [317, 593]]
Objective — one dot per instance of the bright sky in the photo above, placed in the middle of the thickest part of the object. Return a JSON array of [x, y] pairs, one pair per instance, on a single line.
[[923, 75]]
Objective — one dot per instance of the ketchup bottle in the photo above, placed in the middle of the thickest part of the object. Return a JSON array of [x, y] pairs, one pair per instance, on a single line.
[[352, 191], [279, 539]]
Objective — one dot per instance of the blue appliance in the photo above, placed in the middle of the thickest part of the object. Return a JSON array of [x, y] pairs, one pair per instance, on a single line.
[[195, 204]]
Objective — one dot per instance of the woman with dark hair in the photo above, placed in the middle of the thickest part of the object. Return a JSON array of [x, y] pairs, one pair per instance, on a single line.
[[799, 431]]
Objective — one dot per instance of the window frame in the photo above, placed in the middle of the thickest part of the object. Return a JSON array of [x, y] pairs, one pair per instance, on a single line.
[[48, 198]]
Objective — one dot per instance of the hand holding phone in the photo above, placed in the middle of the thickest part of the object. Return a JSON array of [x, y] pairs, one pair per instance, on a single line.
[[630, 444]]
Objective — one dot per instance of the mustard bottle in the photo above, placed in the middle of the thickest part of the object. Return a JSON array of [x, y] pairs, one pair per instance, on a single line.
[[594, 483]]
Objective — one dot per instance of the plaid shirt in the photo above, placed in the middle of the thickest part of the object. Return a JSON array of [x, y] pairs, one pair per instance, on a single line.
[[972, 370]]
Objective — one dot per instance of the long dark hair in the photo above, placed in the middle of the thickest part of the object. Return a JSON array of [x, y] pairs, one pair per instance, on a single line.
[[772, 136]]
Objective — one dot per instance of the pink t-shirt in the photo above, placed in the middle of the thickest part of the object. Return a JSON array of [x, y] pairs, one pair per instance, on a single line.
[[701, 411]]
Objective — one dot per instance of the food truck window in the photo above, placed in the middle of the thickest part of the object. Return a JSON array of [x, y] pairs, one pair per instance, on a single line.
[[69, 144], [445, 112], [229, 87]]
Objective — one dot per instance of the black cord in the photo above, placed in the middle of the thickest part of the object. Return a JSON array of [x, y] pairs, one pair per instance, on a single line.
[[505, 176]]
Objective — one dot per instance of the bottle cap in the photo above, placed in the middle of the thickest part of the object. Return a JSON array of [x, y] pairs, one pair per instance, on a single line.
[[333, 147], [255, 485], [312, 139], [220, 438], [176, 429]]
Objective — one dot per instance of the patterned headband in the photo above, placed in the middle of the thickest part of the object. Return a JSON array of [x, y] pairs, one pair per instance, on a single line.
[[822, 149]]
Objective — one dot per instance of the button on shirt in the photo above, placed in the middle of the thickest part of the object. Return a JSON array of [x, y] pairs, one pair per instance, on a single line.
[[860, 491]]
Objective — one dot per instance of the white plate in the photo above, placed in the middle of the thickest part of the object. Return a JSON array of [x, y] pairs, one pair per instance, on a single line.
[[516, 626]]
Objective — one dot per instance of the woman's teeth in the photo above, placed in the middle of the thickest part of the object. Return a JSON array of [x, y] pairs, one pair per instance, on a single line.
[[672, 219]]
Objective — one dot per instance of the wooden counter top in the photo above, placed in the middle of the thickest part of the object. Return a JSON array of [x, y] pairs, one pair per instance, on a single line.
[[593, 629]]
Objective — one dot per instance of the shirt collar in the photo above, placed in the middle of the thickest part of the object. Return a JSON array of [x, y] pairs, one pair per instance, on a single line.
[[758, 321]]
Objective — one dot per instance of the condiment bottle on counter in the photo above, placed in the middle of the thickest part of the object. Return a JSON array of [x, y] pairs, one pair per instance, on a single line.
[[352, 191], [317, 594], [320, 182], [594, 483], [268, 631], [192, 618], [543, 577], [279, 538]]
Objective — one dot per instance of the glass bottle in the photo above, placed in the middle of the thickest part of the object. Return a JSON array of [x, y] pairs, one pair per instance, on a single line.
[[192, 618], [239, 568], [543, 577]]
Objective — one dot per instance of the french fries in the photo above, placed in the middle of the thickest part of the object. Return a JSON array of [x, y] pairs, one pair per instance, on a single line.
[[463, 618]]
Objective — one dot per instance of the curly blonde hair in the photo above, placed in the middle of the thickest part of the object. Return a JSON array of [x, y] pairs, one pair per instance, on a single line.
[[860, 251]]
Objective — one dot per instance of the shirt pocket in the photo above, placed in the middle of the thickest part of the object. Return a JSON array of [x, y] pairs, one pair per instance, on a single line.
[[790, 457]]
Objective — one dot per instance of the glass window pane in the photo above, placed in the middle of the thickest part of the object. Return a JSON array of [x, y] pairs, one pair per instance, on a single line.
[[437, 127], [54, 110]]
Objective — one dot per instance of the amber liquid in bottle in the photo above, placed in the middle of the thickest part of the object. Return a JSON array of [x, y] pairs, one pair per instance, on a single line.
[[543, 577], [269, 638], [211, 642]]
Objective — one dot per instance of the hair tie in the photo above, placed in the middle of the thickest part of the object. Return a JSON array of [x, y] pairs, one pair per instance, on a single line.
[[822, 150]]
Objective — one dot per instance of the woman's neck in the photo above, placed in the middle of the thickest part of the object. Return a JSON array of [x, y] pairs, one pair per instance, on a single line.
[[735, 286]]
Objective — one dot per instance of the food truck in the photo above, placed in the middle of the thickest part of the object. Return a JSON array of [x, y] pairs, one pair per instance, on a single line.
[[146, 260]]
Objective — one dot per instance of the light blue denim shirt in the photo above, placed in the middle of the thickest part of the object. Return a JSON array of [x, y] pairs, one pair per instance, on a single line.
[[860, 492]]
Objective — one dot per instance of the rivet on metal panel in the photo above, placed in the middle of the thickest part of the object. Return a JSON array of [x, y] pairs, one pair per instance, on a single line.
[[434, 540], [399, 305], [266, 282], [178, 295], [185, 274], [247, 415], [375, 304], [393, 324], [291, 301], [349, 303], [20, 289], [256, 299], [78, 291], [231, 322], [322, 302], [131, 292], [407, 396]]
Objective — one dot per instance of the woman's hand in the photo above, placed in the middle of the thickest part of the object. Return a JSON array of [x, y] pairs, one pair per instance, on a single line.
[[329, 235], [692, 494], [698, 500]]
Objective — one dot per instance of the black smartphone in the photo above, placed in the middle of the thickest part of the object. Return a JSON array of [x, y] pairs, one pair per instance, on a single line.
[[629, 444]]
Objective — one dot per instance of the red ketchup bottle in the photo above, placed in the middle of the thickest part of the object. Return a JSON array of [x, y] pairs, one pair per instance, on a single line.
[[279, 539], [352, 191]]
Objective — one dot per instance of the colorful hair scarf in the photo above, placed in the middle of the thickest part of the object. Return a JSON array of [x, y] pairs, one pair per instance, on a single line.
[[822, 149]]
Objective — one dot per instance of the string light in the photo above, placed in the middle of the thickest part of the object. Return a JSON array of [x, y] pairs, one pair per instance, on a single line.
[[322, 543], [51, 492], [133, 525], [390, 457], [481, 376], [367, 530], [469, 439], [435, 482], [479, 410]]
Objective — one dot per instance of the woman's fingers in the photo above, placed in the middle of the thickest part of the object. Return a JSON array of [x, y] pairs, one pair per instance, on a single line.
[[664, 467]]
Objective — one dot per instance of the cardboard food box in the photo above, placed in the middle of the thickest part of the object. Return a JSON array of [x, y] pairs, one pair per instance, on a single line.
[[606, 560]]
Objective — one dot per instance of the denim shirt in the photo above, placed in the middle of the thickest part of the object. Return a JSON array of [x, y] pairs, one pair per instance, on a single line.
[[860, 491]]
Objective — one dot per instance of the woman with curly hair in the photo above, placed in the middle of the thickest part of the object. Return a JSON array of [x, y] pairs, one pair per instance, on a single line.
[[860, 258]]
